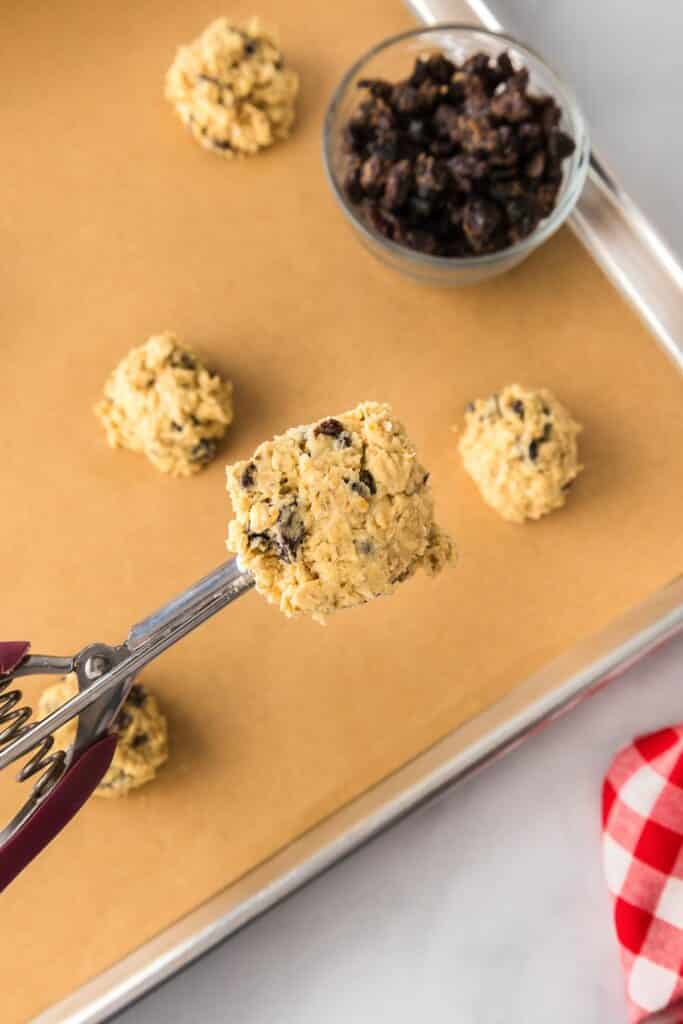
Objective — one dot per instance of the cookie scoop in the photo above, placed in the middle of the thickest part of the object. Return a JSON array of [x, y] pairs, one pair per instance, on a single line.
[[327, 516]]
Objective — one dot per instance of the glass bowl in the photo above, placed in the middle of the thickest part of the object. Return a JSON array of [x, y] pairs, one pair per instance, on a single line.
[[393, 59]]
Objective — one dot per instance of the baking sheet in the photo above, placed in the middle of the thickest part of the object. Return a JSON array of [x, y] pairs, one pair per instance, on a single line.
[[118, 226]]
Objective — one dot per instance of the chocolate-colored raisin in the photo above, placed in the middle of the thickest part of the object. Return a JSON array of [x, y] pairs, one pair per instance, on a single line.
[[406, 99], [291, 532], [260, 541], [368, 480], [518, 408], [203, 451], [511, 103], [182, 360], [440, 68], [123, 720], [248, 475], [431, 176], [373, 175], [399, 183], [376, 87], [328, 428], [139, 740], [420, 73], [136, 696], [536, 165], [480, 222]]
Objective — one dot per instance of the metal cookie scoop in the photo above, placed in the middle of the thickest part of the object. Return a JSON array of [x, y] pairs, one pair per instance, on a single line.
[[105, 675]]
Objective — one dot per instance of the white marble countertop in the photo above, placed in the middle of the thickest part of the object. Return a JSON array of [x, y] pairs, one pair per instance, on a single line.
[[488, 907]]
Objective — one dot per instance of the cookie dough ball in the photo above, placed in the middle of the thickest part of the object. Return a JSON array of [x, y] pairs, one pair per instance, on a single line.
[[519, 447], [330, 515], [162, 401], [232, 89], [142, 736]]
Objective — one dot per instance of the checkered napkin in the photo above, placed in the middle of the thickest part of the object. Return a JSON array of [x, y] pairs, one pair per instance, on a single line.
[[642, 814]]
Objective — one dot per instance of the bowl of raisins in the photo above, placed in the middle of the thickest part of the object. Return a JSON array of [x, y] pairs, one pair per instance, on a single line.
[[454, 152]]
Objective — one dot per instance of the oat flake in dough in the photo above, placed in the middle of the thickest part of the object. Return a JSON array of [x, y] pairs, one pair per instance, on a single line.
[[162, 401], [520, 448], [231, 88], [142, 745], [332, 514]]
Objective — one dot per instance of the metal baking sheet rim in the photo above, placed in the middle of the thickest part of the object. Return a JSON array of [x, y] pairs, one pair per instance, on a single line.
[[641, 266]]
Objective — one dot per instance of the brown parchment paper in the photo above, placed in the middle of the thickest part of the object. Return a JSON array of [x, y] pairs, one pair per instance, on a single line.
[[114, 225]]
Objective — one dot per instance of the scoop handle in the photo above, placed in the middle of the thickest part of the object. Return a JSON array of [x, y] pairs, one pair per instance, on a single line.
[[64, 800]]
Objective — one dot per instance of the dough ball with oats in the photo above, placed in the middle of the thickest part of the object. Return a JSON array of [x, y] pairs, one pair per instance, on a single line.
[[520, 448], [231, 88], [162, 401], [332, 514], [142, 736]]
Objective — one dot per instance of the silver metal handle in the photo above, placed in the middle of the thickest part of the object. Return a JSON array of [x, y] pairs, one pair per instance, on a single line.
[[146, 641], [188, 610]]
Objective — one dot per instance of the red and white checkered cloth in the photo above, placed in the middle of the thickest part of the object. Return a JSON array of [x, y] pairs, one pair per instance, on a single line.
[[642, 813]]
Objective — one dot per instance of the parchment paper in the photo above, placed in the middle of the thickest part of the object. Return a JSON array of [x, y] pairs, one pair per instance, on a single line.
[[115, 225]]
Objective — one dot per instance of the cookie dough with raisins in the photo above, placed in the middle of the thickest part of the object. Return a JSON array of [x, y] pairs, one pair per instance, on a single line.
[[231, 88], [333, 514], [142, 746], [163, 402], [520, 448]]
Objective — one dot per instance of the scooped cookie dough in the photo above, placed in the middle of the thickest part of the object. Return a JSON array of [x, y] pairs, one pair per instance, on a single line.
[[520, 448], [232, 89], [162, 401], [330, 515], [142, 736]]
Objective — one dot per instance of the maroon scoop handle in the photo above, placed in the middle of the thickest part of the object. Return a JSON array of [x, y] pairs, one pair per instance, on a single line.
[[11, 653], [64, 800]]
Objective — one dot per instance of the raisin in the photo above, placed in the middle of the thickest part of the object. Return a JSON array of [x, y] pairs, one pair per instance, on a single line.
[[533, 450], [560, 145], [123, 720], [365, 485], [367, 477], [518, 408], [505, 65], [291, 532], [431, 176], [536, 165], [364, 547], [376, 87], [329, 428], [139, 740], [406, 99], [440, 68], [510, 103], [373, 175], [137, 696], [420, 73], [399, 183], [175, 426], [480, 222], [203, 451], [248, 475], [259, 541], [182, 361]]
